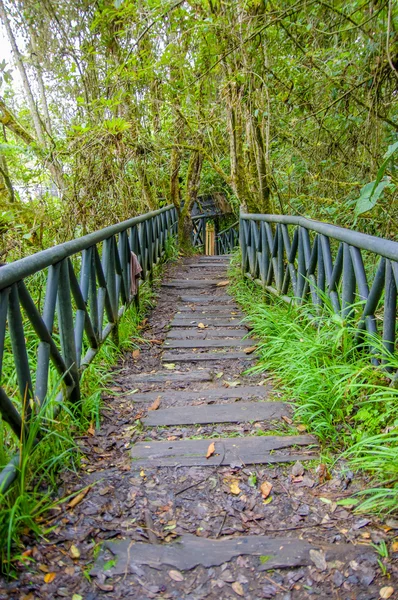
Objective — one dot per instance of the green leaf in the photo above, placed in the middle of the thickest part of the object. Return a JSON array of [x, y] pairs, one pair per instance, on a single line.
[[347, 502], [369, 195]]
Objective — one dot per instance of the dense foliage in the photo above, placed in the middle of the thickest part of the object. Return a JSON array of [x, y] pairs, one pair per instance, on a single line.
[[282, 106]]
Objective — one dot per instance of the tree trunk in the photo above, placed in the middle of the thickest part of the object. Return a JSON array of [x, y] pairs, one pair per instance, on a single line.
[[191, 193], [4, 174], [22, 71]]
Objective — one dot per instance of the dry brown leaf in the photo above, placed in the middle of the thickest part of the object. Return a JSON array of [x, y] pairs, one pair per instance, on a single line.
[[74, 551], [202, 326], [70, 571], [210, 450], [386, 592], [222, 283], [49, 577], [159, 342], [287, 420], [44, 568], [394, 547], [249, 350], [176, 575], [77, 499], [91, 429], [238, 589], [265, 489], [155, 405], [136, 354], [323, 473], [234, 488]]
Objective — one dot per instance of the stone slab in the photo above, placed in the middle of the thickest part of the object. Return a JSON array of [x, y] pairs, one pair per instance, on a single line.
[[161, 377], [235, 451], [207, 298], [210, 395], [190, 551], [171, 357], [202, 334], [220, 343], [239, 412], [190, 283]]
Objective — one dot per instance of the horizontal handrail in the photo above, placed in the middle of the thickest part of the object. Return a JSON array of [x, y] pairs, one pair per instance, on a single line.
[[23, 267], [386, 248], [233, 226], [83, 303], [294, 257]]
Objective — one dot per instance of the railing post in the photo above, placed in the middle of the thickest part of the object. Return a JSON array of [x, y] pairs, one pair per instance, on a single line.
[[66, 329]]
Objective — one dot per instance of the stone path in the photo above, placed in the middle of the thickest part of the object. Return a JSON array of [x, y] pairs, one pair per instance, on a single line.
[[198, 485]]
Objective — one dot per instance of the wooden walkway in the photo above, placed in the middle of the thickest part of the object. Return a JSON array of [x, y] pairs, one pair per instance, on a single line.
[[212, 440]]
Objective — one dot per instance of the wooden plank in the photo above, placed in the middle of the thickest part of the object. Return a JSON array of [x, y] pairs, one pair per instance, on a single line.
[[208, 334], [197, 343], [171, 357], [239, 412], [210, 395], [246, 451], [190, 551], [187, 376]]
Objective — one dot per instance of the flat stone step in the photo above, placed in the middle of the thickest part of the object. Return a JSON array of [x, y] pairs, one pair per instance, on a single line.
[[206, 298], [195, 333], [195, 309], [240, 412], [171, 357], [209, 343], [187, 376], [190, 551], [190, 283], [213, 322], [210, 395], [246, 451], [210, 314]]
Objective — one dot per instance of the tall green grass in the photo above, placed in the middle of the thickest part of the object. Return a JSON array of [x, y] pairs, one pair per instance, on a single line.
[[337, 392]]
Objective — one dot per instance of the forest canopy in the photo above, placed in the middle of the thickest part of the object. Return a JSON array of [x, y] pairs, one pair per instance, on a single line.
[[111, 109]]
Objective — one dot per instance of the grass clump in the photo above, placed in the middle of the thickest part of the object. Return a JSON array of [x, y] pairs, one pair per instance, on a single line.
[[337, 392]]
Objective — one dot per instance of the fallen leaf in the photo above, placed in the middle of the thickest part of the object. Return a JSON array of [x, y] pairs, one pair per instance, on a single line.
[[297, 469], [49, 577], [265, 489], [77, 499], [136, 354], [79, 597], [287, 420], [202, 326], [169, 365], [323, 473], [158, 342], [302, 427], [219, 375], [386, 592], [44, 568], [74, 551], [210, 450], [155, 405], [231, 383], [394, 547], [392, 523], [176, 575], [319, 560], [142, 473], [70, 571], [249, 350], [222, 283], [105, 587], [238, 589], [234, 488], [91, 429]]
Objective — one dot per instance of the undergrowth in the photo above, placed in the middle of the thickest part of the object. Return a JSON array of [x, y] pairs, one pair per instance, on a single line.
[[23, 507], [337, 393]]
